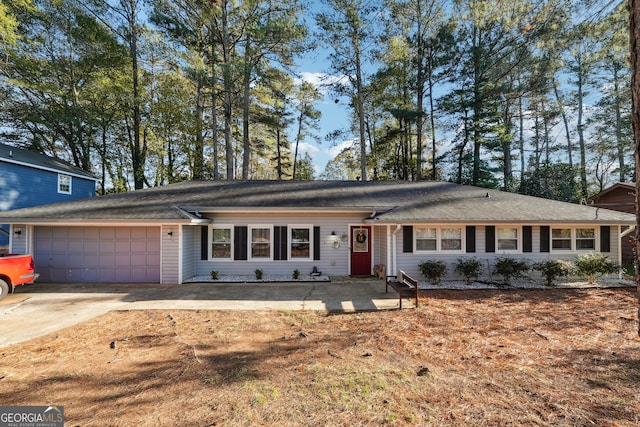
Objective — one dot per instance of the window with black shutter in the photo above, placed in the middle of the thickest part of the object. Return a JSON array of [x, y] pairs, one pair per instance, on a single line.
[[605, 238], [471, 238], [490, 238], [527, 238], [544, 238], [279, 243], [240, 236], [407, 238]]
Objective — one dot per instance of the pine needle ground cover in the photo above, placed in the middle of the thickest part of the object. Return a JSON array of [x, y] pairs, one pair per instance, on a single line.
[[512, 357]]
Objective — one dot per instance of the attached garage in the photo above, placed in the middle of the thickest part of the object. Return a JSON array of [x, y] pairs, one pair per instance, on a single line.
[[97, 254]]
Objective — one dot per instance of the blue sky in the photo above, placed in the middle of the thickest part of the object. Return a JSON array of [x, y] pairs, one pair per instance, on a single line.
[[334, 116]]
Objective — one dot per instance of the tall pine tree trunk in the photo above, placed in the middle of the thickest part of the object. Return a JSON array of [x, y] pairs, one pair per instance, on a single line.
[[227, 84], [634, 60], [583, 153], [138, 153], [198, 149]]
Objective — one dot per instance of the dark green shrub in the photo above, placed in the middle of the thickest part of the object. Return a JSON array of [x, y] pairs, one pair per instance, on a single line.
[[594, 265], [214, 275], [510, 268], [259, 274], [433, 270], [470, 268], [296, 273], [552, 269]]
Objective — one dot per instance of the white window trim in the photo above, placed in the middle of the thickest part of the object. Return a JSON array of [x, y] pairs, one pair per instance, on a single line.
[[574, 249], [252, 227], [221, 226], [290, 242], [439, 249], [519, 244], [60, 177]]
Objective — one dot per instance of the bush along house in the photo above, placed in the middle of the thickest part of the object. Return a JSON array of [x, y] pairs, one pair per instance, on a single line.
[[174, 233]]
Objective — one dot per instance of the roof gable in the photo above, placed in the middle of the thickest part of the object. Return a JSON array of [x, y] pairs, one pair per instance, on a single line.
[[27, 158]]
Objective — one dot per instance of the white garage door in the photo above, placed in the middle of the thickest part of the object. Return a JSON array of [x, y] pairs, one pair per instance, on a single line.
[[97, 254]]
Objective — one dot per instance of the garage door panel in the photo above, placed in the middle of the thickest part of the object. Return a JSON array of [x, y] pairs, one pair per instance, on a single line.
[[123, 260], [123, 245], [90, 261], [56, 275], [106, 260], [60, 233], [76, 246], [139, 259], [107, 233], [138, 246], [106, 275], [106, 246], [97, 254]]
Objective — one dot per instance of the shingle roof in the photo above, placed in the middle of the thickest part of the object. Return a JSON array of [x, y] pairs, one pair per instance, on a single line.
[[19, 156], [380, 202]]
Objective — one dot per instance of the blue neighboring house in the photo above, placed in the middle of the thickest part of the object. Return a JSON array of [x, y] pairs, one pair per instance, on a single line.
[[30, 179]]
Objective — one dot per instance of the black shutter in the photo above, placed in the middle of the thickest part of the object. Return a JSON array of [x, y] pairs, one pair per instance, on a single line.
[[280, 243], [527, 238], [471, 238], [240, 243], [316, 243], [544, 238], [407, 238], [605, 238], [490, 238], [204, 243]]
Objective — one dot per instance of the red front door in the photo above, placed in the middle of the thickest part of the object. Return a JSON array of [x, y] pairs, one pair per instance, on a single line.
[[360, 250]]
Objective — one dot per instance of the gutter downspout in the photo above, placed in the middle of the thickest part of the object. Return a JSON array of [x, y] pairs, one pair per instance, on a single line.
[[393, 253], [622, 235]]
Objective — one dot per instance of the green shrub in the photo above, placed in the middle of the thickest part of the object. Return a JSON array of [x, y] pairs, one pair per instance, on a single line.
[[470, 268], [510, 268], [594, 265], [214, 275], [296, 273], [433, 270], [551, 269], [259, 274]]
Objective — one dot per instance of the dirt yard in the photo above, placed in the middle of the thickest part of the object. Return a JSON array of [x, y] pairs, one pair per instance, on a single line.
[[514, 357]]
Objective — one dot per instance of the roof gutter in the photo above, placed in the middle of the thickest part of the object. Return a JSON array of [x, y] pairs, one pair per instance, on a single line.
[[628, 231]]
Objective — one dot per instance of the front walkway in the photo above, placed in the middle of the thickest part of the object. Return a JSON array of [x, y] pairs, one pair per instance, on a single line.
[[42, 308]]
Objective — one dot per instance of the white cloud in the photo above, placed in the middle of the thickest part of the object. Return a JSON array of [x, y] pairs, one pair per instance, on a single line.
[[305, 147], [337, 149], [321, 80]]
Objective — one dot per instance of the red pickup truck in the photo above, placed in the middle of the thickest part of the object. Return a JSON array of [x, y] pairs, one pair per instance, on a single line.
[[15, 270]]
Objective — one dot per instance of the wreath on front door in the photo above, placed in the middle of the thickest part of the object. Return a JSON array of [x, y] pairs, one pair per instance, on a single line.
[[361, 237]]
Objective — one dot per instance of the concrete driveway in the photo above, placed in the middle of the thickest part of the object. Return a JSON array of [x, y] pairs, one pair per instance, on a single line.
[[42, 308]]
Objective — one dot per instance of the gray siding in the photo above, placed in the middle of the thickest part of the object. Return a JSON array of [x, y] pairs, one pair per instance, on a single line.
[[190, 250], [334, 261], [380, 245], [409, 261], [170, 261], [20, 243]]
